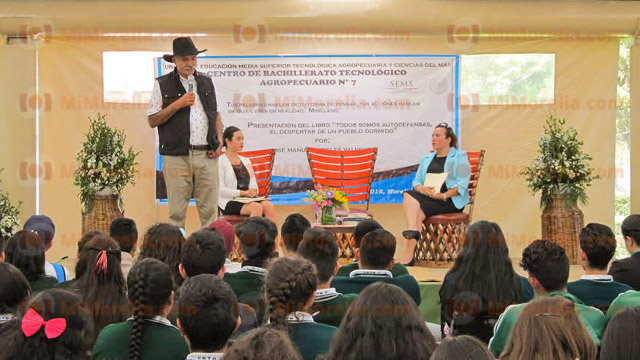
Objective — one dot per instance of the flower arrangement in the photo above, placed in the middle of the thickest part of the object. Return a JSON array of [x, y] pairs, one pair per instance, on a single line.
[[561, 168], [9, 221], [325, 200], [103, 163]]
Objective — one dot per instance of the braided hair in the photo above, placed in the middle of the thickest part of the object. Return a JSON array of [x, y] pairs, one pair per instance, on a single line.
[[150, 284], [290, 284]]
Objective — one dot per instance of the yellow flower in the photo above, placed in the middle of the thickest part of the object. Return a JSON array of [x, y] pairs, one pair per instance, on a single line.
[[340, 198]]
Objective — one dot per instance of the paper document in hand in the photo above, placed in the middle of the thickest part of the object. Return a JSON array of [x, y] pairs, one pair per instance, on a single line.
[[245, 200], [435, 180]]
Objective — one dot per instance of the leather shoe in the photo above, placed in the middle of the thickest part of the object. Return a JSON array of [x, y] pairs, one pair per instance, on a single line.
[[411, 234]]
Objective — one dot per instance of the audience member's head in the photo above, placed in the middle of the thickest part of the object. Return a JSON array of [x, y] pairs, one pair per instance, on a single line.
[[71, 341], [290, 285], [208, 313], [150, 291], [549, 328], [376, 250], [25, 250], [257, 237], [87, 237], [320, 246], [100, 282], [620, 339], [124, 231], [363, 228], [292, 230], [263, 343], [463, 347], [630, 229], [203, 253], [597, 245], [164, 241], [226, 230], [547, 265], [385, 321], [43, 225], [14, 289]]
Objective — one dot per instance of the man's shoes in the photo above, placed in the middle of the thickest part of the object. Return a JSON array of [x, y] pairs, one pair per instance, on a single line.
[[411, 234], [410, 263]]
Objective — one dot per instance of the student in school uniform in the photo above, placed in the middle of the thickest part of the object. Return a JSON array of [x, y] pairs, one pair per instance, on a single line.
[[290, 285], [596, 288], [204, 253], [382, 323], [623, 301], [25, 250], [320, 246], [148, 335], [43, 225], [125, 232], [208, 315], [364, 227], [548, 267], [376, 258], [627, 270], [291, 233], [257, 237]]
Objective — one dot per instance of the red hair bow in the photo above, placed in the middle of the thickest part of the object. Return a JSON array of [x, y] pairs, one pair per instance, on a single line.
[[32, 322]]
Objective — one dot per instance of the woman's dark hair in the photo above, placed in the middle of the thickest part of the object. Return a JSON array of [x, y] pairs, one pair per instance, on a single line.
[[449, 133], [164, 241], [25, 250], [549, 328], [228, 134], [290, 283], [150, 284], [620, 339], [87, 237], [263, 343], [73, 344], [14, 288], [385, 321], [484, 270], [100, 282], [463, 347]]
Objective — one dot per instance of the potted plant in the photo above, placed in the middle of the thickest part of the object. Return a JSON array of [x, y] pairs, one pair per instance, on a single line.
[[9, 221], [561, 173], [103, 169], [325, 200]]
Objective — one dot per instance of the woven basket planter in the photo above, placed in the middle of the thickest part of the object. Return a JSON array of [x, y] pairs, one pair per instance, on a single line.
[[562, 223], [104, 209]]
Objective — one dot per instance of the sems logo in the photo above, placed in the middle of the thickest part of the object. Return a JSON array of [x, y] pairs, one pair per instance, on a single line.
[[401, 86]]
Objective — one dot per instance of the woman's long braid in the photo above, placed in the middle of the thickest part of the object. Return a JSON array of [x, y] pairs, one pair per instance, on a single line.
[[290, 284], [138, 298]]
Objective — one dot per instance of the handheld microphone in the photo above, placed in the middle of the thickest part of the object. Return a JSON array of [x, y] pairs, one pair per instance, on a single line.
[[191, 81]]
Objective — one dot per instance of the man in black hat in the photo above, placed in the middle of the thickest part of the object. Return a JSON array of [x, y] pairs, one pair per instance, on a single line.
[[183, 107], [627, 270]]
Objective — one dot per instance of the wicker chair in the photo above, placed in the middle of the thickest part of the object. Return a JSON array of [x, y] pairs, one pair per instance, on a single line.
[[443, 234], [349, 170]]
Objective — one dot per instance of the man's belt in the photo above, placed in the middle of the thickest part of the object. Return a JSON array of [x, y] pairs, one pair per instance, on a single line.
[[199, 147]]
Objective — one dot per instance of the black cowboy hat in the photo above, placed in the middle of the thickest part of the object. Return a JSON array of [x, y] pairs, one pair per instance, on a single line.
[[182, 46]]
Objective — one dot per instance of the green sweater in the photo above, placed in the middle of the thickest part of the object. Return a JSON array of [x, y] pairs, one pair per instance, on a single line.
[[354, 285], [310, 338], [160, 341], [248, 284], [42, 283], [592, 318], [597, 293], [331, 306], [397, 269], [627, 299]]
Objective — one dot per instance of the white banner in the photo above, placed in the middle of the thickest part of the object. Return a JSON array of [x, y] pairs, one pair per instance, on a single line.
[[337, 102]]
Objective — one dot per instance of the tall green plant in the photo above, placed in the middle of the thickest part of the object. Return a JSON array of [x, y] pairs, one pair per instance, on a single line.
[[103, 162], [561, 166]]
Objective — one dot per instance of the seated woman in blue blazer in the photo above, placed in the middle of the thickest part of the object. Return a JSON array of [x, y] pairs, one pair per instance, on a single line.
[[238, 179], [424, 201]]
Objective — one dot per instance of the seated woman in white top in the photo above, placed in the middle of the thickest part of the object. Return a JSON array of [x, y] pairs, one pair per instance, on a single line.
[[238, 179]]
